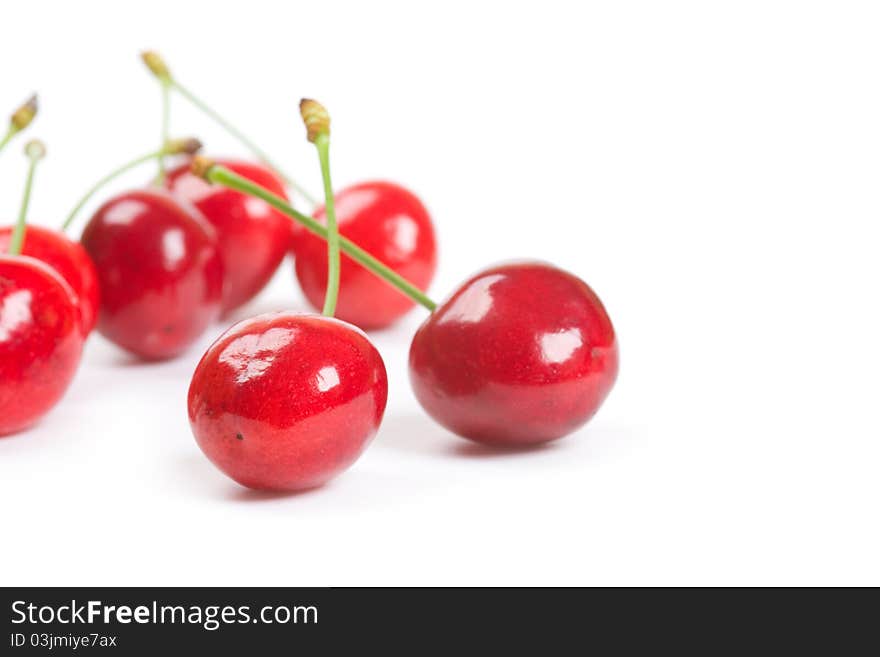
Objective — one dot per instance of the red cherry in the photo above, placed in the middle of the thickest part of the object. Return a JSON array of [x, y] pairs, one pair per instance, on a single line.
[[159, 269], [40, 340], [390, 223], [252, 235], [69, 259], [286, 401], [520, 354]]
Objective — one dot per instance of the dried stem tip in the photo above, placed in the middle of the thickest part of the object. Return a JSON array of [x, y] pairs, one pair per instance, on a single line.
[[156, 64], [316, 118], [35, 149], [201, 165], [185, 146], [23, 116]]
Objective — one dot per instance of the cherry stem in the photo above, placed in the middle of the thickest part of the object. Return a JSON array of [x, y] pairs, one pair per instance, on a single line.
[[222, 176], [106, 179], [165, 85], [240, 136], [8, 136], [322, 143], [172, 147], [35, 152], [21, 118]]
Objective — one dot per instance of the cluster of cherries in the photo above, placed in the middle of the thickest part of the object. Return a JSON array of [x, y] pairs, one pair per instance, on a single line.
[[519, 354]]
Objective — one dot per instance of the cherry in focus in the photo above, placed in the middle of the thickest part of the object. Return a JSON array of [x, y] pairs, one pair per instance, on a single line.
[[253, 236], [520, 354], [159, 269], [41, 340], [390, 223], [286, 401], [69, 259]]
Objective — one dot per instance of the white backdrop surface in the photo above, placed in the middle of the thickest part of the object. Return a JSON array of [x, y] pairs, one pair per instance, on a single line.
[[710, 169]]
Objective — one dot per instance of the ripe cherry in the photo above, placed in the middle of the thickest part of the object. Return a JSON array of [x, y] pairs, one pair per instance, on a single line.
[[519, 354], [69, 259], [159, 269], [253, 237], [285, 401], [41, 332], [40, 340], [392, 224]]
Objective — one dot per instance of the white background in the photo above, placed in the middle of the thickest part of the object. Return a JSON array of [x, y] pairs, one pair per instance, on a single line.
[[711, 169]]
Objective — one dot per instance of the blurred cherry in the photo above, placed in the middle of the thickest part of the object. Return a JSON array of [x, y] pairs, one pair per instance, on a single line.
[[41, 329], [253, 237], [159, 269], [69, 259], [40, 340]]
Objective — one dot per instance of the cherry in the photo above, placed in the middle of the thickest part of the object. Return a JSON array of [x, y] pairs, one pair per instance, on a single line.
[[519, 354], [41, 334], [159, 269], [41, 340], [69, 259], [285, 401], [393, 225], [253, 237]]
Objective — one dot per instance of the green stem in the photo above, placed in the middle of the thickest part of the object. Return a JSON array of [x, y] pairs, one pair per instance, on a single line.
[[165, 84], [322, 143], [106, 179], [17, 240], [223, 176], [8, 136], [235, 132]]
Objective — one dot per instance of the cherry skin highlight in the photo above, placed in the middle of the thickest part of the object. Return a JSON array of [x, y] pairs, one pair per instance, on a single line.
[[286, 401], [253, 237], [521, 354], [391, 224], [41, 340], [69, 259], [159, 269]]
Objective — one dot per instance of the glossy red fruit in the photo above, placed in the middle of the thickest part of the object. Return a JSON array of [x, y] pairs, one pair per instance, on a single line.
[[286, 401], [392, 224], [40, 340], [159, 269], [69, 259], [253, 236], [520, 354]]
